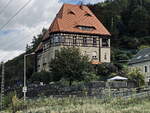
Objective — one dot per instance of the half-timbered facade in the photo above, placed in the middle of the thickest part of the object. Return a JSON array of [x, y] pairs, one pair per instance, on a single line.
[[75, 26]]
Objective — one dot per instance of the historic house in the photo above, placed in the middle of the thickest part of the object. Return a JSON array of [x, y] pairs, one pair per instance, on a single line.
[[75, 26]]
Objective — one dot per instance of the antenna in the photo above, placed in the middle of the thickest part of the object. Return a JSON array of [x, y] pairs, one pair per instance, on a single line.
[[2, 87]]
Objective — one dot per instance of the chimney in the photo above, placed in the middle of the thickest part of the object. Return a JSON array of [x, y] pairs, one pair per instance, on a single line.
[[81, 6]]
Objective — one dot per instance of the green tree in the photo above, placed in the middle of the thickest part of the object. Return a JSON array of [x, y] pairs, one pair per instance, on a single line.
[[139, 22], [69, 65], [106, 70]]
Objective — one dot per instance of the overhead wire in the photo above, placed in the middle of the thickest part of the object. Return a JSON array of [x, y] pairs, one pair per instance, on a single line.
[[18, 11], [15, 14]]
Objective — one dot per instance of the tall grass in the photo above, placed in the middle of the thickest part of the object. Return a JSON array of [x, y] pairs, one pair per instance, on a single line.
[[84, 105]]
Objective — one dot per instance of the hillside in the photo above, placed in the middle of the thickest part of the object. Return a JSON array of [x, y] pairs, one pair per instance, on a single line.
[[128, 22]]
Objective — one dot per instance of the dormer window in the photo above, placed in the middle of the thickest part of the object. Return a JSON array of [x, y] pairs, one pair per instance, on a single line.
[[71, 12], [146, 55], [139, 57], [86, 28], [87, 14]]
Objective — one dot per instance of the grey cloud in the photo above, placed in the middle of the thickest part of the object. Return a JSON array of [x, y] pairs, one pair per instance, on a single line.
[[28, 22]]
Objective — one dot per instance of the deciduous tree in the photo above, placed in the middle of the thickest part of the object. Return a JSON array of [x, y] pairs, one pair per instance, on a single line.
[[70, 65]]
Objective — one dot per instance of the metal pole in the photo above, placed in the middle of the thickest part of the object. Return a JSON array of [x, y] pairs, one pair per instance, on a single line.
[[2, 86], [24, 88], [25, 79]]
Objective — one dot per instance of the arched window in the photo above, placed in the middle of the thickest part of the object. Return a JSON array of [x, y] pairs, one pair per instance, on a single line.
[[94, 55]]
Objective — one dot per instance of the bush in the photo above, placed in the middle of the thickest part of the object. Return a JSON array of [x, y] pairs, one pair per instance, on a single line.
[[43, 76], [8, 99], [17, 104], [90, 76], [136, 76], [105, 70]]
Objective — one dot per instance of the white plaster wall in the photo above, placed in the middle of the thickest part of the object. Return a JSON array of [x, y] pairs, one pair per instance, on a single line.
[[104, 51], [89, 51]]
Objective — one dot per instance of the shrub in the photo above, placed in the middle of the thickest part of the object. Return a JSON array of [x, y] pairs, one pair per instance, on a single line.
[[8, 99], [90, 76], [105, 70], [17, 104], [43, 76], [136, 76]]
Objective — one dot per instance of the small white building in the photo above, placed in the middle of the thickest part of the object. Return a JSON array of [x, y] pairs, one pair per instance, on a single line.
[[141, 61]]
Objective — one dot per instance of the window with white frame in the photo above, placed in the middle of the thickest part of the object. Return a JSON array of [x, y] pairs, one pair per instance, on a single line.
[[56, 39], [105, 42], [94, 41], [74, 40], [84, 41], [105, 56], [62, 39], [145, 69]]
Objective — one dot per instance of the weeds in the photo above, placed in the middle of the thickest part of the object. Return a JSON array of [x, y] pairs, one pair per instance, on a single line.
[[74, 104]]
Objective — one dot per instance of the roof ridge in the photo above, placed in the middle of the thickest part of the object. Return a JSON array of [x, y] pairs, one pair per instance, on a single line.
[[73, 4]]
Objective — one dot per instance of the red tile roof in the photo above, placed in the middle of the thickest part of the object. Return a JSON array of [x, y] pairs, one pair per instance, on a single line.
[[95, 62], [70, 16]]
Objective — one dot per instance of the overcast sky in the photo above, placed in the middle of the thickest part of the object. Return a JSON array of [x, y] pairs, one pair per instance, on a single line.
[[28, 23]]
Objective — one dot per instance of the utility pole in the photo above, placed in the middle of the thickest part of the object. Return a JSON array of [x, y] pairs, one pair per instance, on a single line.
[[2, 87], [25, 85], [25, 76]]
